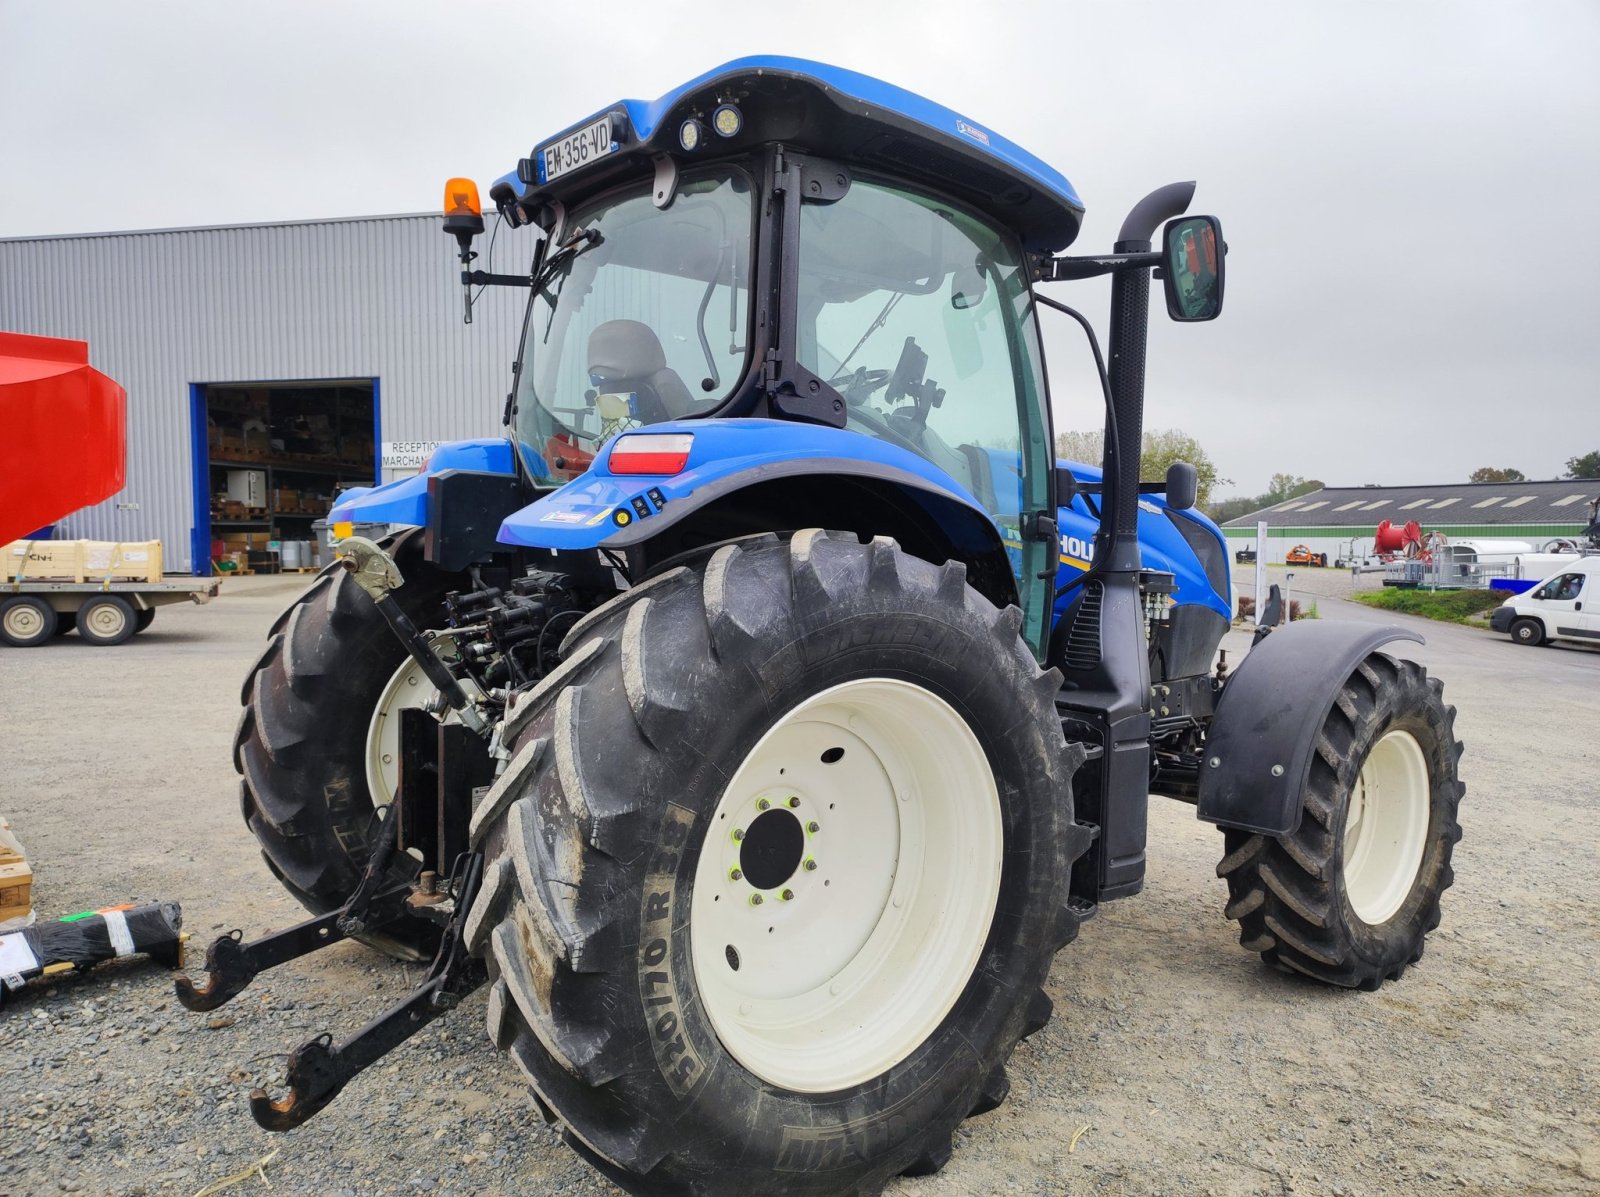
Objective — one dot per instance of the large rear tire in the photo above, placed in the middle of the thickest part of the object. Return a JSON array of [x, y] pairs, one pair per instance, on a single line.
[[301, 748], [777, 869], [1350, 896]]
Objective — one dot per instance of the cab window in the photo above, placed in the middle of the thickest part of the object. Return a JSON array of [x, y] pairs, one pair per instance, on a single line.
[[1567, 586], [918, 313]]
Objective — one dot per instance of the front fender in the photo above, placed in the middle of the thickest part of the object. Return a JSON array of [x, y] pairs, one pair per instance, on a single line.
[[603, 509], [405, 500], [1259, 746]]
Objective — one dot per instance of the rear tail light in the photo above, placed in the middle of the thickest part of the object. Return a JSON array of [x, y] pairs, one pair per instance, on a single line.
[[651, 453]]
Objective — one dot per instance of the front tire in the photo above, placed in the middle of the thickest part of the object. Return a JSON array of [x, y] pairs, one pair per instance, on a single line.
[[706, 1012], [1529, 632], [1350, 896]]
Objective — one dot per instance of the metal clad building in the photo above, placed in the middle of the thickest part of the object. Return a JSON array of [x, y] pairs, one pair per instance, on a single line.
[[164, 311], [1342, 521]]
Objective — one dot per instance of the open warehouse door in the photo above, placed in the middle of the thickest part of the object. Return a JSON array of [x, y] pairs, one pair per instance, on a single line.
[[269, 457]]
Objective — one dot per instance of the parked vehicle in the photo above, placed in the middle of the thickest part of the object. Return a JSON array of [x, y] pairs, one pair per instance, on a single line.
[[1301, 554], [760, 715], [1564, 606], [1245, 556], [64, 449]]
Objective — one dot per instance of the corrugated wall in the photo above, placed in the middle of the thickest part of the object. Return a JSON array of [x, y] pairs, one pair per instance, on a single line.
[[361, 298]]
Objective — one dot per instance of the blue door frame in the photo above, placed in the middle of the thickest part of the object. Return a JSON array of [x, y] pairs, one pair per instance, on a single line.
[[200, 479], [200, 466]]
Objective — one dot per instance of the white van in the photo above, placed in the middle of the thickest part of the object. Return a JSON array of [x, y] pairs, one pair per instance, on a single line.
[[1565, 606]]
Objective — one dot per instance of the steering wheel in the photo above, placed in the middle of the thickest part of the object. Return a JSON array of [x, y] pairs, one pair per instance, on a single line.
[[857, 386]]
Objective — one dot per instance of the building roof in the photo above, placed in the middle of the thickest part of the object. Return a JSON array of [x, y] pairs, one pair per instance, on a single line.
[[1474, 503]]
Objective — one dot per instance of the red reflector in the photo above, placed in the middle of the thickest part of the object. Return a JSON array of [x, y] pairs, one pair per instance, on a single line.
[[651, 453]]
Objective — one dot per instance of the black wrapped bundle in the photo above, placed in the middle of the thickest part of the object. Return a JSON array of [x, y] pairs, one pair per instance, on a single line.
[[83, 940]]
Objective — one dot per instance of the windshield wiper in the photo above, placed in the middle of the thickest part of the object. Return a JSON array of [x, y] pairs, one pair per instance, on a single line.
[[871, 328], [580, 241]]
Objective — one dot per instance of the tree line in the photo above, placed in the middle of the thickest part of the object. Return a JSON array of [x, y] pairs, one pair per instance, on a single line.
[[1163, 446]]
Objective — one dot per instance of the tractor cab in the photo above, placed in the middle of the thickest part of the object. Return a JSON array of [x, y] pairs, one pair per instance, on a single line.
[[780, 240]]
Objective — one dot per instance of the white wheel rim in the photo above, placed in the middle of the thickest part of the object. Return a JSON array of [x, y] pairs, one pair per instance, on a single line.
[[843, 978], [408, 688], [106, 620], [1386, 827], [24, 622]]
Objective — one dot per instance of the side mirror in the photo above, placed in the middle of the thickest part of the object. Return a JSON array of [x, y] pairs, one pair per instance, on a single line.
[[1192, 253], [1183, 486]]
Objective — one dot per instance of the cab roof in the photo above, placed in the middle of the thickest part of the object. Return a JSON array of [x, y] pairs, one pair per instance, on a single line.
[[831, 112]]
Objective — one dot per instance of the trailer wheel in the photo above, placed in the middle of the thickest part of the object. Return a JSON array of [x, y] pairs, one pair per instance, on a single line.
[[107, 619], [1350, 897], [143, 618], [302, 743], [776, 870], [1528, 631], [26, 621]]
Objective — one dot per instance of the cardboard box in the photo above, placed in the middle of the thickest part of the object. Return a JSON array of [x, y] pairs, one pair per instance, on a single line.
[[248, 487]]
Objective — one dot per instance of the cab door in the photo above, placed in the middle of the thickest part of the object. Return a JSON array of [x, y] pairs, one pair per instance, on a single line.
[[1583, 621]]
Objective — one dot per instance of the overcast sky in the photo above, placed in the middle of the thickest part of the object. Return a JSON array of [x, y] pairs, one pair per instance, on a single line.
[[1408, 189]]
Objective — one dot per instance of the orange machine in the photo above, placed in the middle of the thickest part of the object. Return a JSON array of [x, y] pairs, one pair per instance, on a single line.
[[1301, 554]]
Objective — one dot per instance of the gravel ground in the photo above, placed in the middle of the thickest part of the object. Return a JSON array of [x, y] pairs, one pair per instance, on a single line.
[[1193, 1067]]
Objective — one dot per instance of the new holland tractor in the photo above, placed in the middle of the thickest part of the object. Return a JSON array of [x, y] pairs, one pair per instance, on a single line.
[[760, 713]]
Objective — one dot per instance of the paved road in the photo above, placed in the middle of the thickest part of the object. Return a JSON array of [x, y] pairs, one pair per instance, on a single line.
[[1193, 1067]]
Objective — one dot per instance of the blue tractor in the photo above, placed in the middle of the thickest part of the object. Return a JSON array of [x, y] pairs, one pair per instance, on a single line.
[[760, 714]]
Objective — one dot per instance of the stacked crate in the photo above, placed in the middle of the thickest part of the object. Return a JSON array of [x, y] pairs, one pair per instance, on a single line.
[[16, 878]]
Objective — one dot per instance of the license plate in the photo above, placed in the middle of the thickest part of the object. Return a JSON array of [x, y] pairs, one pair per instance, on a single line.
[[576, 150]]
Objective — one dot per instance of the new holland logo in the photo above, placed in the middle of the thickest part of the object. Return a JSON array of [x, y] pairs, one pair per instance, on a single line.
[[1077, 551]]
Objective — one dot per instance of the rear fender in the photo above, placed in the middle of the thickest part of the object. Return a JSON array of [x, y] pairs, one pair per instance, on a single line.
[[755, 475], [1260, 744]]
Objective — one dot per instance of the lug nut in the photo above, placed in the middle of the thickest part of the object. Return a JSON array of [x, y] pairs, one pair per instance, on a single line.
[[788, 895], [794, 802], [811, 866], [735, 874], [813, 826], [756, 899], [738, 833], [762, 804]]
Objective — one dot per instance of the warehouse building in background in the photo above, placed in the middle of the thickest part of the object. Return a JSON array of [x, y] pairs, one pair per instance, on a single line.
[[1343, 522], [266, 366]]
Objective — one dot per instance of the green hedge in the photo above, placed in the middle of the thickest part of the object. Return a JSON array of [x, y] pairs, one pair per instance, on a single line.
[[1451, 606]]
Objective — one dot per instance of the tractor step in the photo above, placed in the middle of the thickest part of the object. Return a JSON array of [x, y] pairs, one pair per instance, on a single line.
[[1083, 908]]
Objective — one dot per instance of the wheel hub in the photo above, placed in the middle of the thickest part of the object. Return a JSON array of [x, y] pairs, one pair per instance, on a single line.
[[1386, 826], [23, 622], [771, 850], [846, 885]]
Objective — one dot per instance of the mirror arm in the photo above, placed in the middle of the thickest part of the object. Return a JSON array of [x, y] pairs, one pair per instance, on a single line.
[[1062, 269]]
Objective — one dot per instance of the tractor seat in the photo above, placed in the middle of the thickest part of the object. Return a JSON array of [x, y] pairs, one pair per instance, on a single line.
[[625, 355]]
